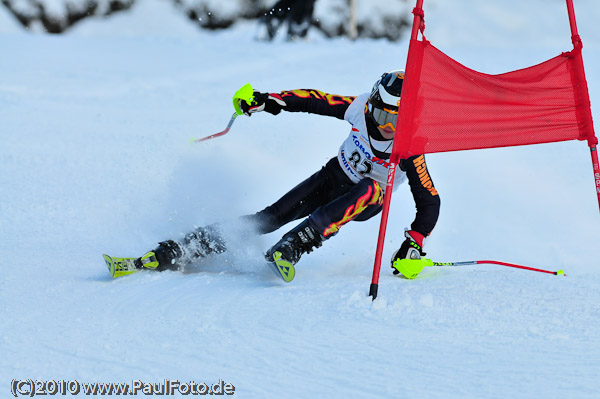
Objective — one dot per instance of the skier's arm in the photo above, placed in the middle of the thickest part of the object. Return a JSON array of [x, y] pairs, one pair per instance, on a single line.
[[316, 102], [427, 199], [311, 101]]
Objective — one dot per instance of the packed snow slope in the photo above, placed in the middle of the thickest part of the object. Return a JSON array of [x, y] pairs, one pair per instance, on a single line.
[[95, 130]]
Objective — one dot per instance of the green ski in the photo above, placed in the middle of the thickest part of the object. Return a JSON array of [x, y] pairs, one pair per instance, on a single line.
[[118, 267]]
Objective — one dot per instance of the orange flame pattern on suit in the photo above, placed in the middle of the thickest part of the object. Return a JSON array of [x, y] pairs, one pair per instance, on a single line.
[[331, 99], [374, 196]]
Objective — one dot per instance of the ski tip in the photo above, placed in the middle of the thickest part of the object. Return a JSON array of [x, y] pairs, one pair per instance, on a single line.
[[118, 267], [110, 264]]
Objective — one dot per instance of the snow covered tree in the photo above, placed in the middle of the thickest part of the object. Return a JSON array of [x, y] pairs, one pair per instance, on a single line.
[[56, 16], [372, 18]]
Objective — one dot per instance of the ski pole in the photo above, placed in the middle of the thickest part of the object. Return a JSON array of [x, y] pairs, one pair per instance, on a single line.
[[410, 268], [212, 136], [246, 93], [495, 262]]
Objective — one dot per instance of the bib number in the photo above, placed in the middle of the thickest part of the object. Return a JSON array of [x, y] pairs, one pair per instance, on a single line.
[[362, 166]]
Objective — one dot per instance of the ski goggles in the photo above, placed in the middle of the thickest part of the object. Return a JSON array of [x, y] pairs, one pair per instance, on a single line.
[[384, 117]]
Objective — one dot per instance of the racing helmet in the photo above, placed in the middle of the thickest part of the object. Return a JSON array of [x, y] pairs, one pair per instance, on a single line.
[[385, 98]]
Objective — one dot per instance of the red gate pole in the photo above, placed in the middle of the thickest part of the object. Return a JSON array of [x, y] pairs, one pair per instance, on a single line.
[[574, 35], [592, 141], [394, 159], [596, 170]]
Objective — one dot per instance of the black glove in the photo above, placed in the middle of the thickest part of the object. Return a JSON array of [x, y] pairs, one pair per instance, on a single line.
[[412, 248], [270, 102]]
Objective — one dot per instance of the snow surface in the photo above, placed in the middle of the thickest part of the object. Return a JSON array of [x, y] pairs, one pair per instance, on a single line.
[[96, 159]]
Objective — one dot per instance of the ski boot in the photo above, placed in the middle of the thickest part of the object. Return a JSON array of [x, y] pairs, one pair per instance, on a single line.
[[287, 252], [172, 255]]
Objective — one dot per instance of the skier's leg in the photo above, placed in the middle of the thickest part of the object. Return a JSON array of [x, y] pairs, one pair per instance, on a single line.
[[361, 202], [307, 196], [317, 190], [302, 200]]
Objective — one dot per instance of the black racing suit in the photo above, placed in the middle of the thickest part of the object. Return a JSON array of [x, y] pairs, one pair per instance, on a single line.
[[329, 197]]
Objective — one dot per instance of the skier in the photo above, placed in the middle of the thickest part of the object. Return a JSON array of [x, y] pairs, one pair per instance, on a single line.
[[349, 187]]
